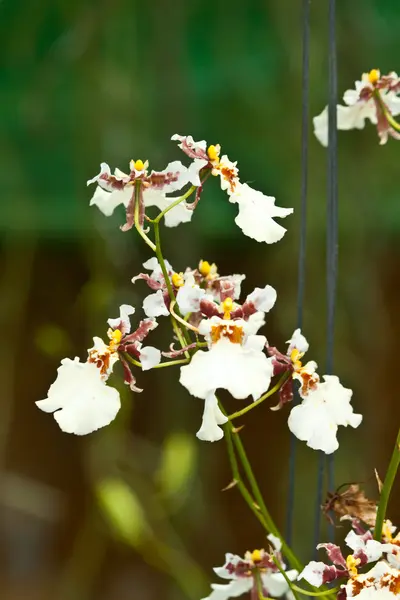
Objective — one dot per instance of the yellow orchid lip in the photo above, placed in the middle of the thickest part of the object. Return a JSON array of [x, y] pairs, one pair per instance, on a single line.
[[177, 279], [138, 165], [374, 75]]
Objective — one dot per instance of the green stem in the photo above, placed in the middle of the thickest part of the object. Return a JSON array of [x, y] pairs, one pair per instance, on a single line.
[[272, 528], [387, 488], [161, 261], [177, 201], [171, 363], [138, 227], [392, 122], [237, 477], [323, 594], [181, 337], [272, 391], [259, 586]]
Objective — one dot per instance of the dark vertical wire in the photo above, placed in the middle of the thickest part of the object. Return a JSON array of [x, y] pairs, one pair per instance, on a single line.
[[302, 241], [331, 246]]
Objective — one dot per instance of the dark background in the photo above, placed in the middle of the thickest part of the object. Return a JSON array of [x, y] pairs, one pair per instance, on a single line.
[[136, 510]]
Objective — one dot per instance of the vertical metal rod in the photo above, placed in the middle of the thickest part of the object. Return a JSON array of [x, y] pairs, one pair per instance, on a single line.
[[331, 247], [302, 240]]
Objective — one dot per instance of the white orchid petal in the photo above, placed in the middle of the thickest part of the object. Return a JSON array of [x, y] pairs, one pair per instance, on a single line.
[[82, 400], [242, 371], [212, 418], [263, 298], [149, 357], [256, 213], [316, 419], [154, 305]]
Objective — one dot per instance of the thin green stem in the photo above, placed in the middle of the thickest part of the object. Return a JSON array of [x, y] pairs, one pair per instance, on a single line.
[[259, 586], [161, 261], [388, 116], [272, 391], [237, 477], [272, 528], [171, 363], [175, 203], [184, 341], [138, 227], [387, 488], [322, 594]]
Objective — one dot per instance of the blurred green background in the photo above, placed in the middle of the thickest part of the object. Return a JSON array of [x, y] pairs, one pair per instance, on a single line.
[[136, 510]]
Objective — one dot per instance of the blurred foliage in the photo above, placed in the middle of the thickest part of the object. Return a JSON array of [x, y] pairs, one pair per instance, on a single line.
[[83, 82]]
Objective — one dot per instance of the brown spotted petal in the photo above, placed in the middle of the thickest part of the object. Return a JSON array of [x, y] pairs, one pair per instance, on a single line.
[[280, 362], [191, 148], [128, 377], [209, 308], [142, 331], [334, 554], [152, 283], [385, 130]]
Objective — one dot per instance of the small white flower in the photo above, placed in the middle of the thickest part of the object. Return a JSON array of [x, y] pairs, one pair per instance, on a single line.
[[149, 357], [235, 361], [256, 214], [189, 295], [113, 190], [210, 430], [361, 105], [316, 419], [154, 305], [80, 399], [241, 573]]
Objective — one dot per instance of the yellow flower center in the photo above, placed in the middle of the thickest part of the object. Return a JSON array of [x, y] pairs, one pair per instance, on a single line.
[[115, 337], [351, 564], [256, 556], [213, 153], [177, 279], [295, 356], [138, 165], [204, 267], [227, 306], [386, 531], [374, 76]]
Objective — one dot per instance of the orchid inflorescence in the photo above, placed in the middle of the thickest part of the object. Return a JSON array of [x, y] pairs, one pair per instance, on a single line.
[[216, 345]]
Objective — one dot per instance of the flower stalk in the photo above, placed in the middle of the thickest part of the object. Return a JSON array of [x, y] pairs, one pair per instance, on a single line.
[[387, 488]]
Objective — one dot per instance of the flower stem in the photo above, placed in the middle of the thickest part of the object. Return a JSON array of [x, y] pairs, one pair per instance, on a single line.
[[321, 594], [171, 363], [272, 391], [237, 477], [184, 338], [387, 488], [388, 116], [171, 206], [161, 260], [138, 227]]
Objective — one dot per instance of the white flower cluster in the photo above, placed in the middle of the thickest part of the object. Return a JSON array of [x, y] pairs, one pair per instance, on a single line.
[[382, 582], [227, 350]]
